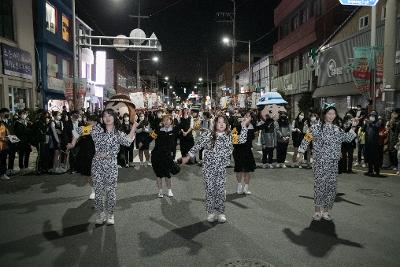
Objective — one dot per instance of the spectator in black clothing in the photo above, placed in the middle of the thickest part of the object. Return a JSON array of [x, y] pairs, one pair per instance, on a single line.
[[346, 162], [22, 129], [371, 129]]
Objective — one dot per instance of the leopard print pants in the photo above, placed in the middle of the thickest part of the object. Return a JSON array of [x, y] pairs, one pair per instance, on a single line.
[[325, 174], [104, 176], [214, 185]]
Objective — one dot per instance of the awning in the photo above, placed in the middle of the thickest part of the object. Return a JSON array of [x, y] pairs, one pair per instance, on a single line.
[[339, 89]]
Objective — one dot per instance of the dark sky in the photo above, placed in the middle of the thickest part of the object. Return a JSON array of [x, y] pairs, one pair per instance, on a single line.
[[187, 29]]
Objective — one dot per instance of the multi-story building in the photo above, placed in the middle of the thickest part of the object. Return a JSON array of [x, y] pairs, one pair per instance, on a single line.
[[335, 78], [224, 79], [18, 69], [54, 42], [303, 25]]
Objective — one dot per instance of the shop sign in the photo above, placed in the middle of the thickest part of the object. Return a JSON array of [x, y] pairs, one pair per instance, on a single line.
[[55, 84], [16, 62], [69, 89]]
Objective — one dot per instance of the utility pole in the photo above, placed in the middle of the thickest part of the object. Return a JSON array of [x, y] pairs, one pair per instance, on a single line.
[[208, 89], [138, 86], [233, 47], [75, 78], [390, 54]]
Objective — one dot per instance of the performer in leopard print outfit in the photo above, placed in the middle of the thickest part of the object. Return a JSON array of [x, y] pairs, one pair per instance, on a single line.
[[107, 140], [218, 146], [327, 139]]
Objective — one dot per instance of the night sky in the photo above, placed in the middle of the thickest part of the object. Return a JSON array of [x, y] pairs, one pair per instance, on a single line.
[[188, 30]]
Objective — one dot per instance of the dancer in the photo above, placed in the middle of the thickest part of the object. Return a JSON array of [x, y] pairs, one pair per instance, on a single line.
[[161, 155], [327, 140], [107, 140], [143, 142], [217, 146], [243, 156], [86, 152]]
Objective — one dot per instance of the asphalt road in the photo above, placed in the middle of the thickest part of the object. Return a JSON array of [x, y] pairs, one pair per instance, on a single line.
[[48, 221]]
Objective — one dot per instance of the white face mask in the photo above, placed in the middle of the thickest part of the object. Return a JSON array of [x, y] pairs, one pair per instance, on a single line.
[[313, 118], [126, 119], [79, 119], [24, 116], [301, 117], [58, 118], [372, 118], [141, 118], [159, 115]]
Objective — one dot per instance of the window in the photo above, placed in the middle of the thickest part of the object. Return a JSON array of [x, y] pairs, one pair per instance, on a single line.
[[66, 64], [363, 23], [51, 18], [19, 98], [6, 19], [52, 66], [295, 22], [66, 30], [284, 30], [383, 12]]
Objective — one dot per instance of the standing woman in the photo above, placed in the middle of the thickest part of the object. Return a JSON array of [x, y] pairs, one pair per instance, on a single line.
[[56, 129], [297, 135], [327, 140], [217, 146], [283, 134], [107, 140], [162, 154], [243, 155], [186, 140], [86, 152], [371, 155], [143, 141], [127, 150]]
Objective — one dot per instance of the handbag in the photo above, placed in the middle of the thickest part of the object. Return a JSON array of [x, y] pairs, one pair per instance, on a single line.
[[175, 168]]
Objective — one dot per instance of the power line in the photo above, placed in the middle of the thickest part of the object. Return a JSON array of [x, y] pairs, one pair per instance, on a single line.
[[165, 8], [264, 35]]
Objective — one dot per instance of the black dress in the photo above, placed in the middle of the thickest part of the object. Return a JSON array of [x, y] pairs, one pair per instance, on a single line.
[[185, 142], [162, 154], [142, 136], [243, 154], [86, 152]]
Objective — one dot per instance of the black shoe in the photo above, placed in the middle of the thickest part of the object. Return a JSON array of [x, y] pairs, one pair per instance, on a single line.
[[369, 174]]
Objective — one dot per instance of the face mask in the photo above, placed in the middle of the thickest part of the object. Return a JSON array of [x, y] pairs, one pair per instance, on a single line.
[[301, 117], [372, 118], [47, 120], [24, 116], [84, 119], [126, 119], [79, 119], [313, 118], [159, 115], [58, 118], [141, 118]]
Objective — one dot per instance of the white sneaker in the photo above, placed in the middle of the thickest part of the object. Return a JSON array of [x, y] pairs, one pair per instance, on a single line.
[[211, 217], [355, 164], [300, 167], [271, 166], [265, 166], [101, 218], [4, 177], [394, 168], [239, 189], [317, 216], [363, 165], [137, 167], [221, 218], [110, 219], [148, 163], [398, 173], [126, 165], [169, 193], [283, 165], [246, 189], [92, 194], [160, 194], [326, 216], [119, 167], [131, 164]]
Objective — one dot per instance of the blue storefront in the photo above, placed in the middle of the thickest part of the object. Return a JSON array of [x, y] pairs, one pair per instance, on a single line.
[[54, 42]]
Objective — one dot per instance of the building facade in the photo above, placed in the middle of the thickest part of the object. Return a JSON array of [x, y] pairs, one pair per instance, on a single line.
[[18, 83], [54, 42], [303, 26], [336, 82]]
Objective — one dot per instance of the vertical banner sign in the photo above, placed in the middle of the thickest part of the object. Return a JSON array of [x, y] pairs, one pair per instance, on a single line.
[[69, 89], [361, 68]]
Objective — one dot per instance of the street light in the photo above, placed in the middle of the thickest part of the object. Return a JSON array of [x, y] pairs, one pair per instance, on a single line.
[[228, 41], [166, 78], [155, 59], [200, 79]]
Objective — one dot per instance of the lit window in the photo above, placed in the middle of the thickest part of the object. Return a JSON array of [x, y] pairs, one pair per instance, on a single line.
[[6, 19], [52, 66], [51, 18], [363, 22], [65, 28], [66, 68]]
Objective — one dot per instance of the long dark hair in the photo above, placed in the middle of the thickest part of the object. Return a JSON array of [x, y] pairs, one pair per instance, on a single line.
[[214, 131], [111, 112]]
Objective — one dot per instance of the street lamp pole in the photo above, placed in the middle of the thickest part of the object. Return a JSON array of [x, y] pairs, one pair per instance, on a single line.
[[233, 47]]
